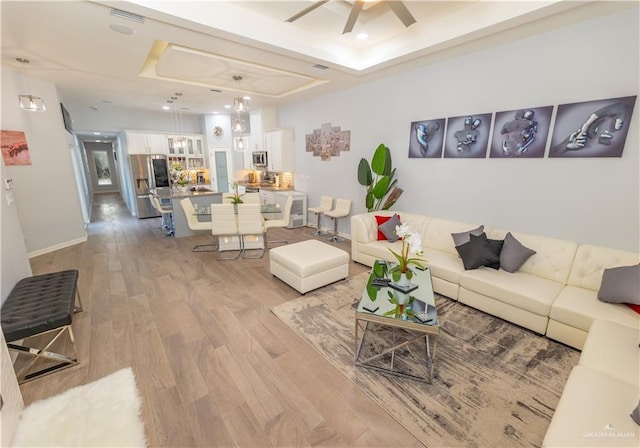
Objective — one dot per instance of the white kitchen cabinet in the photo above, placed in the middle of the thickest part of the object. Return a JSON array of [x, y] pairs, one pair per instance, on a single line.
[[267, 197], [146, 143], [279, 145]]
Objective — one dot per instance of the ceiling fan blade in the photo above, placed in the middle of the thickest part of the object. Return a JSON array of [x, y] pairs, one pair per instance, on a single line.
[[402, 12], [306, 10], [353, 16]]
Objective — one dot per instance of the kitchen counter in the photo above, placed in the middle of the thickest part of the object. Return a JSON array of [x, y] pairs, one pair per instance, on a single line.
[[263, 186]]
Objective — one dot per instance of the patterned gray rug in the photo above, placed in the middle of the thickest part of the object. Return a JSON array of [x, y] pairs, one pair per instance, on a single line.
[[495, 384]]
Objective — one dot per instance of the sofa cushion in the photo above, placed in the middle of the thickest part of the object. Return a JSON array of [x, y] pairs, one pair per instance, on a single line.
[[388, 227], [514, 254], [579, 307], [612, 348], [553, 256], [594, 412], [444, 265], [477, 252], [591, 261], [621, 285], [460, 238], [522, 290], [380, 249]]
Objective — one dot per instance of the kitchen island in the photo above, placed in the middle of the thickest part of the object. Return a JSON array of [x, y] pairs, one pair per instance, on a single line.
[[200, 198]]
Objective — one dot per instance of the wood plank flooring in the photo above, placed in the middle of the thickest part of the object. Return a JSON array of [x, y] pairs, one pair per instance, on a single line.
[[214, 366]]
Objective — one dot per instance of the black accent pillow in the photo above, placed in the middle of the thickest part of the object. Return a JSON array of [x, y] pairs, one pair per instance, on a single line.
[[477, 252], [496, 247]]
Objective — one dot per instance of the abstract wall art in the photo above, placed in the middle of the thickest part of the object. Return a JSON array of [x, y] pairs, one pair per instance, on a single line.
[[426, 138], [521, 133], [592, 128], [14, 148], [467, 136], [328, 141]]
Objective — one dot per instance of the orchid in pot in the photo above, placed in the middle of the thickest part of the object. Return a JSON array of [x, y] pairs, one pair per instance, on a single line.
[[411, 244]]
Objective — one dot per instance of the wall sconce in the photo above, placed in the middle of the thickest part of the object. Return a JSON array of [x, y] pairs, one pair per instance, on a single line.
[[29, 102]]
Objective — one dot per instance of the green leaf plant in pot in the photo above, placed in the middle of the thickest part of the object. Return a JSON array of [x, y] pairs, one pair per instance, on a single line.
[[379, 178]]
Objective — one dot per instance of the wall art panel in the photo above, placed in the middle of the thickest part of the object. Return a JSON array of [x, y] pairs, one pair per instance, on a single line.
[[426, 138], [521, 133], [467, 136], [592, 128]]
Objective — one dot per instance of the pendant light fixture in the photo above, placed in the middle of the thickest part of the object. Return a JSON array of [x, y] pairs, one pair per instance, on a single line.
[[29, 102], [240, 105]]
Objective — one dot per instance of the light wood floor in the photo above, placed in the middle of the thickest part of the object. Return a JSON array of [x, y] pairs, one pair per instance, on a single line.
[[214, 366]]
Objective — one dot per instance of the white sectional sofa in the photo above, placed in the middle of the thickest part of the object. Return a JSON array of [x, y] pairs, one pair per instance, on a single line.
[[553, 293], [601, 392]]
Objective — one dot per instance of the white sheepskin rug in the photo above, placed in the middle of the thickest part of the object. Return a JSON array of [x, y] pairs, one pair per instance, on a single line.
[[103, 413]]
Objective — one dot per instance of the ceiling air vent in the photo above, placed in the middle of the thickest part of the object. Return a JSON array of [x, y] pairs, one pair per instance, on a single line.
[[320, 66], [127, 15]]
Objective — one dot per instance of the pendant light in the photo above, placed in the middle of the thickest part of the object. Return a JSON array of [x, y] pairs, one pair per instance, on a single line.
[[240, 105], [29, 102]]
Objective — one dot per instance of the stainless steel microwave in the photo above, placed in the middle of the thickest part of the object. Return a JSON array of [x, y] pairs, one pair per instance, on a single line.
[[260, 158]]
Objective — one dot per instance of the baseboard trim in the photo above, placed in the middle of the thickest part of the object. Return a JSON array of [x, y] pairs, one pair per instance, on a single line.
[[46, 250]]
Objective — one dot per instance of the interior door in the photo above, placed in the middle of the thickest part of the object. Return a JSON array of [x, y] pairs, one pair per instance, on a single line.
[[102, 166], [222, 171]]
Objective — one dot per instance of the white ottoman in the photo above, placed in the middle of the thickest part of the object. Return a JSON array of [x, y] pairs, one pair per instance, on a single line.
[[309, 264]]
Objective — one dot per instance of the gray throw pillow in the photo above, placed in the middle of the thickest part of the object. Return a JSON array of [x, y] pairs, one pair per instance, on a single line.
[[477, 252], [620, 285], [388, 228], [635, 414], [463, 237], [513, 254]]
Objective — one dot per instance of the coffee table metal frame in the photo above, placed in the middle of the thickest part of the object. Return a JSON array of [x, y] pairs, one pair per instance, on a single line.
[[427, 331]]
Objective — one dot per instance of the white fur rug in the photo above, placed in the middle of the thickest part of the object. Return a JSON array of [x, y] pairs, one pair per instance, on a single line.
[[103, 413]]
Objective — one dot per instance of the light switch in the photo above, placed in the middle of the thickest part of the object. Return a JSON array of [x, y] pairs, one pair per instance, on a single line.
[[8, 183]]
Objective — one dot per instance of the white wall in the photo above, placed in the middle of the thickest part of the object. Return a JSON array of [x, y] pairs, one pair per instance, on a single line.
[[587, 200], [45, 192]]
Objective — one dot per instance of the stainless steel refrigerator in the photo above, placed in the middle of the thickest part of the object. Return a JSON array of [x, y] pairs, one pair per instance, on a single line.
[[149, 172]]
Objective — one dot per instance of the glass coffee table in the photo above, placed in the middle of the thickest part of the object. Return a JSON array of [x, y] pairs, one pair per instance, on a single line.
[[399, 340]]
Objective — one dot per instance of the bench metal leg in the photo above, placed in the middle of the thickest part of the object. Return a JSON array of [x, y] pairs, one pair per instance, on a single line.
[[43, 353]]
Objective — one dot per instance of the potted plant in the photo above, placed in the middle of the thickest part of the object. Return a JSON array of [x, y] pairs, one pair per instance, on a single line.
[[236, 198], [383, 184]]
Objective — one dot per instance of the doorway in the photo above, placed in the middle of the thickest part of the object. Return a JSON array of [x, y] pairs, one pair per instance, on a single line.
[[222, 170], [101, 166]]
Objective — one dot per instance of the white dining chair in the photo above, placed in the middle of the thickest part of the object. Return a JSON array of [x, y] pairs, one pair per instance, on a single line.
[[196, 225], [326, 202], [284, 222], [224, 225], [251, 224], [342, 209], [251, 198]]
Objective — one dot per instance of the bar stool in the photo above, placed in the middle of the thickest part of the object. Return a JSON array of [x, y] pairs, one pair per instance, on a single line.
[[343, 208], [326, 202], [167, 214]]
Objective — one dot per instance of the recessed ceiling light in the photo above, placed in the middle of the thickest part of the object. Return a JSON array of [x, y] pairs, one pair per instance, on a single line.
[[165, 108], [227, 106], [96, 133], [362, 36], [122, 29], [246, 97]]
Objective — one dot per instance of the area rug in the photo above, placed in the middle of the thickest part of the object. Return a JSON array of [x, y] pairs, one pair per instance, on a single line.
[[495, 384], [105, 413]]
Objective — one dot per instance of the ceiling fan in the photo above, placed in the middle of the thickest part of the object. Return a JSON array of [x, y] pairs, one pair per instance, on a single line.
[[397, 7]]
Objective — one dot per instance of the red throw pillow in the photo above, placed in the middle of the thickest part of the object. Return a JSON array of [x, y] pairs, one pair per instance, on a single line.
[[382, 220], [635, 308]]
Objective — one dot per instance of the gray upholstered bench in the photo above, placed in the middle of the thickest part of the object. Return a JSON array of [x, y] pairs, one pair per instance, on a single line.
[[36, 306], [309, 264]]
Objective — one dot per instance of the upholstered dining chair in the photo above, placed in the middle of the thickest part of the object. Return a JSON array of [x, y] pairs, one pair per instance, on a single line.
[[250, 223], [271, 223], [251, 198], [224, 225], [167, 214], [342, 209], [326, 202], [195, 225]]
